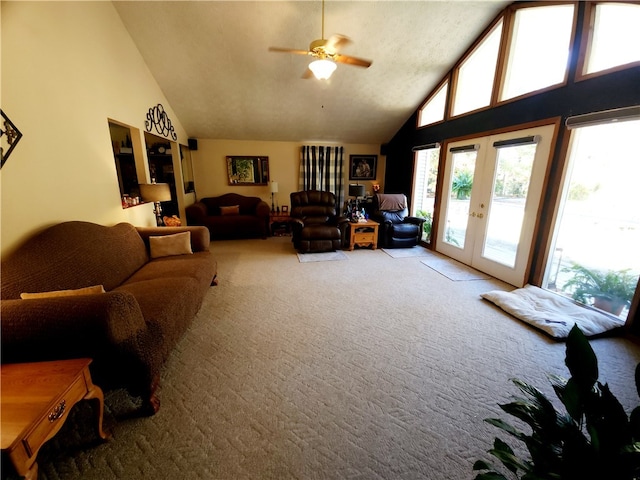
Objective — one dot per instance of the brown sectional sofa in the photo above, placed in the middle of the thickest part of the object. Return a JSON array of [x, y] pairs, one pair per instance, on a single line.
[[130, 329], [249, 220]]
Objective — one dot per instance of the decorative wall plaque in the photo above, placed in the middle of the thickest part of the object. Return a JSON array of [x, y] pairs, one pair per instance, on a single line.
[[157, 118], [9, 136]]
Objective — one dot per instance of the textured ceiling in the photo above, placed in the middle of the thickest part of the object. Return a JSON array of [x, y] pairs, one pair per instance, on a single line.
[[210, 58]]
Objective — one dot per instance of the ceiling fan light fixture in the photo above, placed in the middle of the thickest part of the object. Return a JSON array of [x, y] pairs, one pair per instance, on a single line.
[[322, 68]]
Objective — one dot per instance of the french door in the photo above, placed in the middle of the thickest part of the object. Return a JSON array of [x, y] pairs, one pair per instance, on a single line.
[[492, 188]]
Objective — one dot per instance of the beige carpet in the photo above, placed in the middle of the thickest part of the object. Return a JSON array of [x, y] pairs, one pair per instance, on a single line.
[[370, 368], [321, 257]]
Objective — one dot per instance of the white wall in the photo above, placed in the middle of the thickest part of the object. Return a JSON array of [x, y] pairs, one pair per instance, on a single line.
[[210, 167], [67, 67]]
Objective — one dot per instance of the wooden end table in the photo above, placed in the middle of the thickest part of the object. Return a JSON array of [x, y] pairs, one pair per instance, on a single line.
[[363, 234], [279, 221], [35, 402]]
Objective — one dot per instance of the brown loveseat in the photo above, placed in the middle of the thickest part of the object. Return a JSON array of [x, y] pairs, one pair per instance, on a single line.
[[130, 329], [231, 216]]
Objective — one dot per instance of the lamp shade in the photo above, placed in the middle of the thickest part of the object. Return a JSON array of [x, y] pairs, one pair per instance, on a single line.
[[322, 69], [155, 192], [356, 190], [274, 187]]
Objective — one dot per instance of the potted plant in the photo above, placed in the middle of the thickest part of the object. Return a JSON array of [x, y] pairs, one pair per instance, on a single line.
[[427, 225], [610, 290], [593, 439], [462, 184]]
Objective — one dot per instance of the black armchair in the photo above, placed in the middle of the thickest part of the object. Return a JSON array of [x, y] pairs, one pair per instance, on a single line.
[[397, 229], [315, 224]]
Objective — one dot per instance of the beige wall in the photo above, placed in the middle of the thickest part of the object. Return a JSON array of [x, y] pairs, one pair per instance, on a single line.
[[210, 167], [67, 68]]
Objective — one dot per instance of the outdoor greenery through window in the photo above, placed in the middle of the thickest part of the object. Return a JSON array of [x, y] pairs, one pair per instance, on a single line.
[[615, 37], [595, 257], [475, 77], [539, 50], [425, 178]]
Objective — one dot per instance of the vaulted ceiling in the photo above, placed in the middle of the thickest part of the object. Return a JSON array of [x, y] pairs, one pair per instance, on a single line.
[[212, 62]]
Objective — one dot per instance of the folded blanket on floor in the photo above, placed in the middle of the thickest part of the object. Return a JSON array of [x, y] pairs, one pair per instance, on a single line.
[[551, 312]]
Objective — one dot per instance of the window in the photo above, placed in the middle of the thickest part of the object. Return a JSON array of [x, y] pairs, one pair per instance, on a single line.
[[615, 36], [425, 178], [126, 162], [476, 74], [433, 110], [597, 233], [539, 50]]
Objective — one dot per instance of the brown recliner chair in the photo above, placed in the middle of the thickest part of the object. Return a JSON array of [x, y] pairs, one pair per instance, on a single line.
[[316, 225]]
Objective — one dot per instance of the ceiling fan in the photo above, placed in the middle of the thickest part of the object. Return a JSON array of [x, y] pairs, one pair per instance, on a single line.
[[326, 54]]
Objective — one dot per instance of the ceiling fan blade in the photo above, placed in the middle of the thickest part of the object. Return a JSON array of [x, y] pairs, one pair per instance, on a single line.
[[358, 62], [336, 42], [288, 50]]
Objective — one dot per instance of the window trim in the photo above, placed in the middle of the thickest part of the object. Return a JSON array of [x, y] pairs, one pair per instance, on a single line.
[[586, 40], [503, 17], [432, 94], [508, 37]]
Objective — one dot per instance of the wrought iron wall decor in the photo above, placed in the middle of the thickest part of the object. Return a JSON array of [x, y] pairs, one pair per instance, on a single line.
[[157, 117], [13, 137]]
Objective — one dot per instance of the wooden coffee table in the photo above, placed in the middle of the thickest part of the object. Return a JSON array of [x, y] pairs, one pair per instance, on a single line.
[[36, 399], [363, 234]]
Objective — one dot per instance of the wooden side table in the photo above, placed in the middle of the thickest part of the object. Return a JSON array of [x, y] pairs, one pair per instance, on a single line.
[[35, 402], [363, 234], [279, 221]]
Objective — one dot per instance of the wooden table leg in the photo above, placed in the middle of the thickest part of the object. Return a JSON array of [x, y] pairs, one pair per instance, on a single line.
[[95, 393]]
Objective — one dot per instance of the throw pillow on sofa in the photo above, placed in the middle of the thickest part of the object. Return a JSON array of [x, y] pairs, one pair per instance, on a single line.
[[168, 245], [64, 293], [230, 210]]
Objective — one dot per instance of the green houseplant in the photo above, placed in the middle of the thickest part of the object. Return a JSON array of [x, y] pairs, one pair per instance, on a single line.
[[610, 290], [462, 184], [593, 439], [427, 225]]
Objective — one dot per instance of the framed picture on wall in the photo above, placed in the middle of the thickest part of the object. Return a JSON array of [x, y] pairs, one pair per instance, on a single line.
[[362, 167]]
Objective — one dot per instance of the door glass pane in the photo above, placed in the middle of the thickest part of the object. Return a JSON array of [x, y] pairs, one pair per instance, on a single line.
[[595, 256], [506, 209], [425, 178], [462, 169]]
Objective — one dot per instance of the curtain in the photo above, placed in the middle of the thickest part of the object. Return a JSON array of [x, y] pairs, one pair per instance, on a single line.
[[322, 168]]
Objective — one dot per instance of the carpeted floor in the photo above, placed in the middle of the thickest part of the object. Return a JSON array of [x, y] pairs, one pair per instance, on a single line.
[[370, 368]]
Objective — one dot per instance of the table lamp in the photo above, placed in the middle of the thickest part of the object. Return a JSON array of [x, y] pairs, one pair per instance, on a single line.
[[274, 190], [156, 193], [356, 190]]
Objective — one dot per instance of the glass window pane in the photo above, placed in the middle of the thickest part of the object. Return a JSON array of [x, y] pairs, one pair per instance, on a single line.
[[506, 209], [463, 168], [539, 50], [433, 111], [425, 178], [616, 36], [598, 227], [476, 75]]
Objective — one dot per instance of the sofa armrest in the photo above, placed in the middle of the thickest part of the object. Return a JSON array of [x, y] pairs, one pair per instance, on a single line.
[[196, 213], [200, 236], [263, 209], [63, 327]]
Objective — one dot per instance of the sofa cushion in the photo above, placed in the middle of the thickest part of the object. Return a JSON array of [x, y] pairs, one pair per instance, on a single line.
[[200, 265], [168, 245]]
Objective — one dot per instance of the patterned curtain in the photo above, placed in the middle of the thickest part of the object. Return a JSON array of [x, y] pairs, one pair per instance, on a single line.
[[322, 168]]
